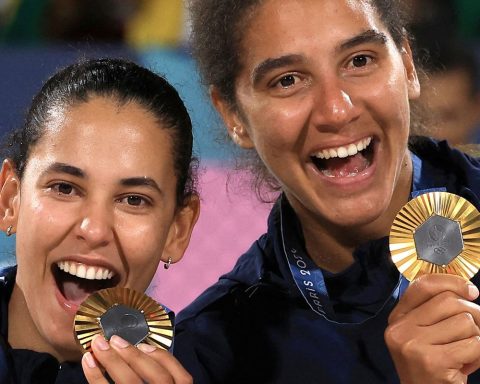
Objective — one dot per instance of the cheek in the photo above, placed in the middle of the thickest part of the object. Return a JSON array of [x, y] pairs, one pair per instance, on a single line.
[[40, 228], [142, 244], [278, 126], [389, 106], [40, 225]]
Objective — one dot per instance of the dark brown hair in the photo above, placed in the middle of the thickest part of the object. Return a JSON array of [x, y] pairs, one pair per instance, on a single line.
[[124, 81], [217, 34]]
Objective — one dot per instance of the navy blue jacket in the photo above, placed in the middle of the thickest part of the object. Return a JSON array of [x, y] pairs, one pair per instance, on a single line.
[[254, 326], [23, 366]]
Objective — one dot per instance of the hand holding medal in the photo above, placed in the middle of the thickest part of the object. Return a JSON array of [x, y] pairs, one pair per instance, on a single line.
[[435, 243], [124, 335]]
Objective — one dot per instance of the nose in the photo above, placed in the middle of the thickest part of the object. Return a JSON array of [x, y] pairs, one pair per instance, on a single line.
[[333, 107], [95, 226]]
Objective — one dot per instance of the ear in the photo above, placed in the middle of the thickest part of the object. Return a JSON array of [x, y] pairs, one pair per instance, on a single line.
[[181, 230], [9, 196], [233, 122], [410, 71]]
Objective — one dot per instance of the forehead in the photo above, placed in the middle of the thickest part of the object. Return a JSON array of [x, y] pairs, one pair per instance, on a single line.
[[102, 116], [100, 130], [279, 25], [286, 10]]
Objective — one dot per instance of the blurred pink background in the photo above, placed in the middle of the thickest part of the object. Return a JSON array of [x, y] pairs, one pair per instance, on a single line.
[[229, 223]]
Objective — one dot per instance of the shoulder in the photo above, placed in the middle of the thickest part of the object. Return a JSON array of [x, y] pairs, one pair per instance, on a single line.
[[262, 265], [248, 270], [441, 153], [461, 162], [207, 331]]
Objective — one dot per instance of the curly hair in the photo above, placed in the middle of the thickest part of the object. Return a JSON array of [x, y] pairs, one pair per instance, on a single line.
[[217, 31]]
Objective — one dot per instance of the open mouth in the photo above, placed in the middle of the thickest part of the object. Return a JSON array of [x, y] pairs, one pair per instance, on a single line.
[[345, 161], [77, 281]]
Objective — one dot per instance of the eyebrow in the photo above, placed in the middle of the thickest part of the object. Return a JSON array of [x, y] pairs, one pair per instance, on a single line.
[[268, 65], [128, 182], [65, 168], [141, 181], [369, 36]]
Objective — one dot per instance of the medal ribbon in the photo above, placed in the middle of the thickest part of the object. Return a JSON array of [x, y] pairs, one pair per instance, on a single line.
[[308, 276]]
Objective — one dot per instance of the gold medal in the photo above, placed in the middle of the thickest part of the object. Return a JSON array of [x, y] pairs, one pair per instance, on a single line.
[[124, 312], [437, 232]]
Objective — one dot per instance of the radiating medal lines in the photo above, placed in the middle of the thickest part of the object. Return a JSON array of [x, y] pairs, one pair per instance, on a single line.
[[437, 232], [132, 315]]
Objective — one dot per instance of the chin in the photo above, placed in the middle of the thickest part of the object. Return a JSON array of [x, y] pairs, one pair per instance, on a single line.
[[67, 349], [358, 215], [60, 339]]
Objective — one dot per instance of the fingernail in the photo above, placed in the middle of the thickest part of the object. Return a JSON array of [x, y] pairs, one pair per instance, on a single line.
[[118, 342], [89, 360], [147, 348], [472, 291], [101, 343]]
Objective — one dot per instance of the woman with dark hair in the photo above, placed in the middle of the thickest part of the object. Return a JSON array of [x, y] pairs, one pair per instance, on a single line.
[[99, 188], [319, 93]]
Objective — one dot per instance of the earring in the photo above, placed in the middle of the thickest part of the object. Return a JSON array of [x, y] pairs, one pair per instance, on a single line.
[[168, 263], [236, 132], [9, 230]]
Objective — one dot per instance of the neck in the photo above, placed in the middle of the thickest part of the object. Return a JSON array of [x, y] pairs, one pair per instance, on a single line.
[[23, 333], [331, 246]]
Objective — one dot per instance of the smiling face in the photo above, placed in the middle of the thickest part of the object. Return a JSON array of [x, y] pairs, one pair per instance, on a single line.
[[97, 200], [323, 97]]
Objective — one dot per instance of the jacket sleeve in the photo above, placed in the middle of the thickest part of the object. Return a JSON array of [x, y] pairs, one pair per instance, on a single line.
[[203, 345]]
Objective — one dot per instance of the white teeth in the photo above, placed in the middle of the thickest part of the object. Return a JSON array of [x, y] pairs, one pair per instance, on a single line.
[[83, 271], [98, 275], [352, 150], [342, 152], [91, 273]]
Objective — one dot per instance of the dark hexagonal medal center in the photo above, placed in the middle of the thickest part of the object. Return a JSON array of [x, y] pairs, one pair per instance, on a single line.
[[128, 323], [438, 240]]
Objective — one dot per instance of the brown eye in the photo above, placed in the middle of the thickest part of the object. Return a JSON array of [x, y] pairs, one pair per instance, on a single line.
[[63, 188], [360, 61], [134, 200], [139, 201], [287, 81]]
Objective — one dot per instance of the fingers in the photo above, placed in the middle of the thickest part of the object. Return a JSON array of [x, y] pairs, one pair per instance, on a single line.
[[91, 370], [417, 362], [117, 368], [465, 353], [169, 362], [438, 308], [128, 364], [458, 327], [433, 333], [425, 287]]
